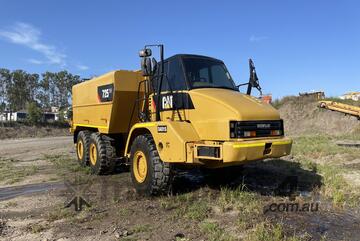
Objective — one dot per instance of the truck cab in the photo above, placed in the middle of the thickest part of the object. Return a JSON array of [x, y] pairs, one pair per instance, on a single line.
[[212, 123]]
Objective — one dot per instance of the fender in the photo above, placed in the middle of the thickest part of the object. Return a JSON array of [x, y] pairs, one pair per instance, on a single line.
[[170, 138]]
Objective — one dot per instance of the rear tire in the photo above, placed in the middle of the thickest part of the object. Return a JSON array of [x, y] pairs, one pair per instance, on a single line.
[[149, 174], [82, 147], [101, 154]]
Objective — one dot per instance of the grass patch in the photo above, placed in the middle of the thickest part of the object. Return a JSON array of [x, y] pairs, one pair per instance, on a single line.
[[192, 208], [321, 145], [11, 204], [123, 212], [66, 164], [214, 232], [265, 231], [36, 228], [310, 149], [52, 179], [187, 205], [337, 188], [248, 204], [238, 198], [142, 228], [11, 173], [316, 146], [197, 210], [58, 213]]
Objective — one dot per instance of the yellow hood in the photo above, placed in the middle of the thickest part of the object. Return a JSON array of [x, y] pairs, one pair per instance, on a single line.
[[214, 108], [243, 107]]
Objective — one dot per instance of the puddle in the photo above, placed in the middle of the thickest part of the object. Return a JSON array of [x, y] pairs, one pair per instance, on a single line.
[[348, 143], [7, 193]]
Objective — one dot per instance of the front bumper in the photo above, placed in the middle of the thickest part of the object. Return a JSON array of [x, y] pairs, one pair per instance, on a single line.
[[239, 152], [256, 150]]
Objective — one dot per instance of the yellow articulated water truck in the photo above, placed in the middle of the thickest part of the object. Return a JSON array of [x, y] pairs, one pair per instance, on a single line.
[[181, 111]]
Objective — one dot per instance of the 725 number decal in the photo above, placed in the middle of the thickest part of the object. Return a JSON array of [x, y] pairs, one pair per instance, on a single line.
[[106, 92]]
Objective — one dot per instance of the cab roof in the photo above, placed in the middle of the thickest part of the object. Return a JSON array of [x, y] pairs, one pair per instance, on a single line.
[[181, 56]]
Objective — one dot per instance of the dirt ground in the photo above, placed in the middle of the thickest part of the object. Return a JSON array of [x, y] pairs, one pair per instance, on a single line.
[[39, 176]]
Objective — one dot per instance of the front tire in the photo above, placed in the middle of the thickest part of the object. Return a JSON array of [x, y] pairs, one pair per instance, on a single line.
[[149, 174]]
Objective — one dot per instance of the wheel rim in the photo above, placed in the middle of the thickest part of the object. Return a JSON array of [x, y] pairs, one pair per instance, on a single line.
[[80, 149], [140, 166], [93, 154]]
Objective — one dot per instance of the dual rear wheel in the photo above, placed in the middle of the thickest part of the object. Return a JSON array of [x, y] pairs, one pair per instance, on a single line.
[[149, 174], [96, 151]]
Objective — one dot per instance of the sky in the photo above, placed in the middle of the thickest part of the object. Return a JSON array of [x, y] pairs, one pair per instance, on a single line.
[[297, 46]]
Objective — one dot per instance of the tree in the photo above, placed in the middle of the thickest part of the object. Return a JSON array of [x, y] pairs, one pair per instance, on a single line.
[[32, 85], [4, 81], [21, 89], [44, 94], [34, 113], [18, 88], [56, 88], [64, 83]]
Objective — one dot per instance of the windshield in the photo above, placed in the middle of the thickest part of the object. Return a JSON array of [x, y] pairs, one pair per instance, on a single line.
[[207, 73]]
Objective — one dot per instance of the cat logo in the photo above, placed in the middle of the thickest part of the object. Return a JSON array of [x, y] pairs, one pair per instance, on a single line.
[[167, 102], [263, 126]]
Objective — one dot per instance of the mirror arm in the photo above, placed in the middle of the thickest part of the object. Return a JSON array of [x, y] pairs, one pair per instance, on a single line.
[[160, 82]]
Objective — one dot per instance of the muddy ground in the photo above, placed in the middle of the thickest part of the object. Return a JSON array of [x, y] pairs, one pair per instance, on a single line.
[[39, 176]]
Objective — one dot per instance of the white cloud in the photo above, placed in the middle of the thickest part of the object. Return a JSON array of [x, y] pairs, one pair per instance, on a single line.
[[254, 38], [35, 61], [29, 36], [82, 67]]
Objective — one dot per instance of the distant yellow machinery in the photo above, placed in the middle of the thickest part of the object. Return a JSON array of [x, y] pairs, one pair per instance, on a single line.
[[340, 107], [183, 111]]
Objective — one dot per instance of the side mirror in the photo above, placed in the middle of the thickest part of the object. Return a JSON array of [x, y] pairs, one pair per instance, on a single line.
[[253, 80], [146, 66], [145, 53]]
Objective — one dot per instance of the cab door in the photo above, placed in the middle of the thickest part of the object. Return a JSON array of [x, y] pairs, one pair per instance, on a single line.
[[174, 98]]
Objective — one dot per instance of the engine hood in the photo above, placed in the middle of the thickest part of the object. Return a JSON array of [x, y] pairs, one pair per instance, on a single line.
[[233, 104], [214, 108]]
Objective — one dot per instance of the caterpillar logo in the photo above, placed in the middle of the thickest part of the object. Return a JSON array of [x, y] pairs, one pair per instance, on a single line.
[[263, 126], [167, 102], [173, 101]]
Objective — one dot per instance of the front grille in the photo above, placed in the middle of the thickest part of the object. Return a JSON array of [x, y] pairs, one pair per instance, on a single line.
[[265, 128]]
